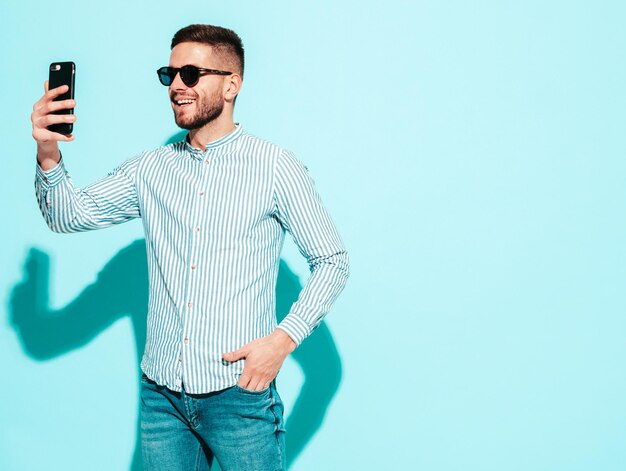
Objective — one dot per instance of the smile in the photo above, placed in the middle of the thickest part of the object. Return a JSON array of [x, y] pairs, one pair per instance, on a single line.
[[184, 102]]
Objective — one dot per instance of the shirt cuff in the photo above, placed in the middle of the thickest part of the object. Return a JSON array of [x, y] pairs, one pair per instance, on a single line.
[[51, 177], [295, 327]]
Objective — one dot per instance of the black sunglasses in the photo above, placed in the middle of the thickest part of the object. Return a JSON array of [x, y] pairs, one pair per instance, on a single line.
[[189, 74]]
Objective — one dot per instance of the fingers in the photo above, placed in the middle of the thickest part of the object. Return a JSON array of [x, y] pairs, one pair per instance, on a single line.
[[254, 381], [254, 384], [48, 119], [59, 105], [259, 385], [55, 92], [50, 95], [44, 106], [244, 380], [43, 116], [41, 133], [63, 137]]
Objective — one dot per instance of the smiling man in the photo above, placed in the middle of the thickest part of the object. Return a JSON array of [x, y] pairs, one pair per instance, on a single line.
[[215, 208]]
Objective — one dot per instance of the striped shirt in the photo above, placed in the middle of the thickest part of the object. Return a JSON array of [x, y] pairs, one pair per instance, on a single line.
[[214, 225]]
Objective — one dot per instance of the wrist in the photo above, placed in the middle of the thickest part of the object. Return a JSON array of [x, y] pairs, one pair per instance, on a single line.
[[48, 155], [284, 340]]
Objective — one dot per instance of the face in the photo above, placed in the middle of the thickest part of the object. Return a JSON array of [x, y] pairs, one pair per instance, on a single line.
[[196, 106]]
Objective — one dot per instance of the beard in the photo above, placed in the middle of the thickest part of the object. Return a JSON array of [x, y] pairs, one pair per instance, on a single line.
[[207, 110]]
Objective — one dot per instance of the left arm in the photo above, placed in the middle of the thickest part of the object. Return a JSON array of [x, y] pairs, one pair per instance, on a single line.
[[300, 211]]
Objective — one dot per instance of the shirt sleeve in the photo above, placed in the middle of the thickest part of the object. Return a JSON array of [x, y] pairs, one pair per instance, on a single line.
[[300, 211], [111, 200]]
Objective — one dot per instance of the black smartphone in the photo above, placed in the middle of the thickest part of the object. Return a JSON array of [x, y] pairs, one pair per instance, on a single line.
[[62, 73]]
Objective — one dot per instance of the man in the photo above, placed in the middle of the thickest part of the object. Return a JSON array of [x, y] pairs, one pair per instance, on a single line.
[[214, 208]]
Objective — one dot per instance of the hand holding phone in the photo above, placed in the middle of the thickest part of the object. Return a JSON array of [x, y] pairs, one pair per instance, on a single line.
[[53, 108]]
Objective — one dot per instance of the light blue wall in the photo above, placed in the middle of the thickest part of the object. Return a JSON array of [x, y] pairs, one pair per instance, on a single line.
[[473, 157]]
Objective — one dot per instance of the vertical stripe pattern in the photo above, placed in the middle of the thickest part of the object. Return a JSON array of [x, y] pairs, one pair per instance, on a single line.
[[214, 225]]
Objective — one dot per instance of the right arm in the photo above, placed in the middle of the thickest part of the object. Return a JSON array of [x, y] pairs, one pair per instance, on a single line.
[[112, 200]]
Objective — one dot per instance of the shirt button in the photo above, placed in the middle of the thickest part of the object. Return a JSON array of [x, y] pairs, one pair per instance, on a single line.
[[201, 193], [206, 162], [193, 267], [190, 304], [186, 340], [197, 229]]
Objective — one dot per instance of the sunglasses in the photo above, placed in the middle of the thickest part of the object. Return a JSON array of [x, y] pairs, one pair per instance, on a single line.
[[189, 74]]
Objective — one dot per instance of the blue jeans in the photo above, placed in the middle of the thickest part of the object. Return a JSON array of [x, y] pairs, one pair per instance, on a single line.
[[242, 429]]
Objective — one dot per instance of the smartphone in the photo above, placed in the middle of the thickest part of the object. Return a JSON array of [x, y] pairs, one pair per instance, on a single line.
[[62, 73]]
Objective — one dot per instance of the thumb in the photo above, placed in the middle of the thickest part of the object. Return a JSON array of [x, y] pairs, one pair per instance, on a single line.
[[236, 355]]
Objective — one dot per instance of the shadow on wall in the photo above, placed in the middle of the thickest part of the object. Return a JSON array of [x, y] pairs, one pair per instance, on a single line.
[[121, 289]]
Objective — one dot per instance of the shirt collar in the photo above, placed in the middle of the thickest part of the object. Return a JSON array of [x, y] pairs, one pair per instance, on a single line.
[[218, 146]]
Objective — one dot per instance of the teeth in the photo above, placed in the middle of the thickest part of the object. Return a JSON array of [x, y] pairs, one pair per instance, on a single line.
[[183, 102]]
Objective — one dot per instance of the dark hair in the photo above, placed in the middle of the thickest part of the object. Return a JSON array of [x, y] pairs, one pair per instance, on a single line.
[[225, 42]]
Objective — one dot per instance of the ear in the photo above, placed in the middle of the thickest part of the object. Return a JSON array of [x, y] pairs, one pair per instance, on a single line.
[[232, 86]]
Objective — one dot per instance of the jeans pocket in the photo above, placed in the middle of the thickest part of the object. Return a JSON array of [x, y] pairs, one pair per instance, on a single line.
[[251, 392]]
